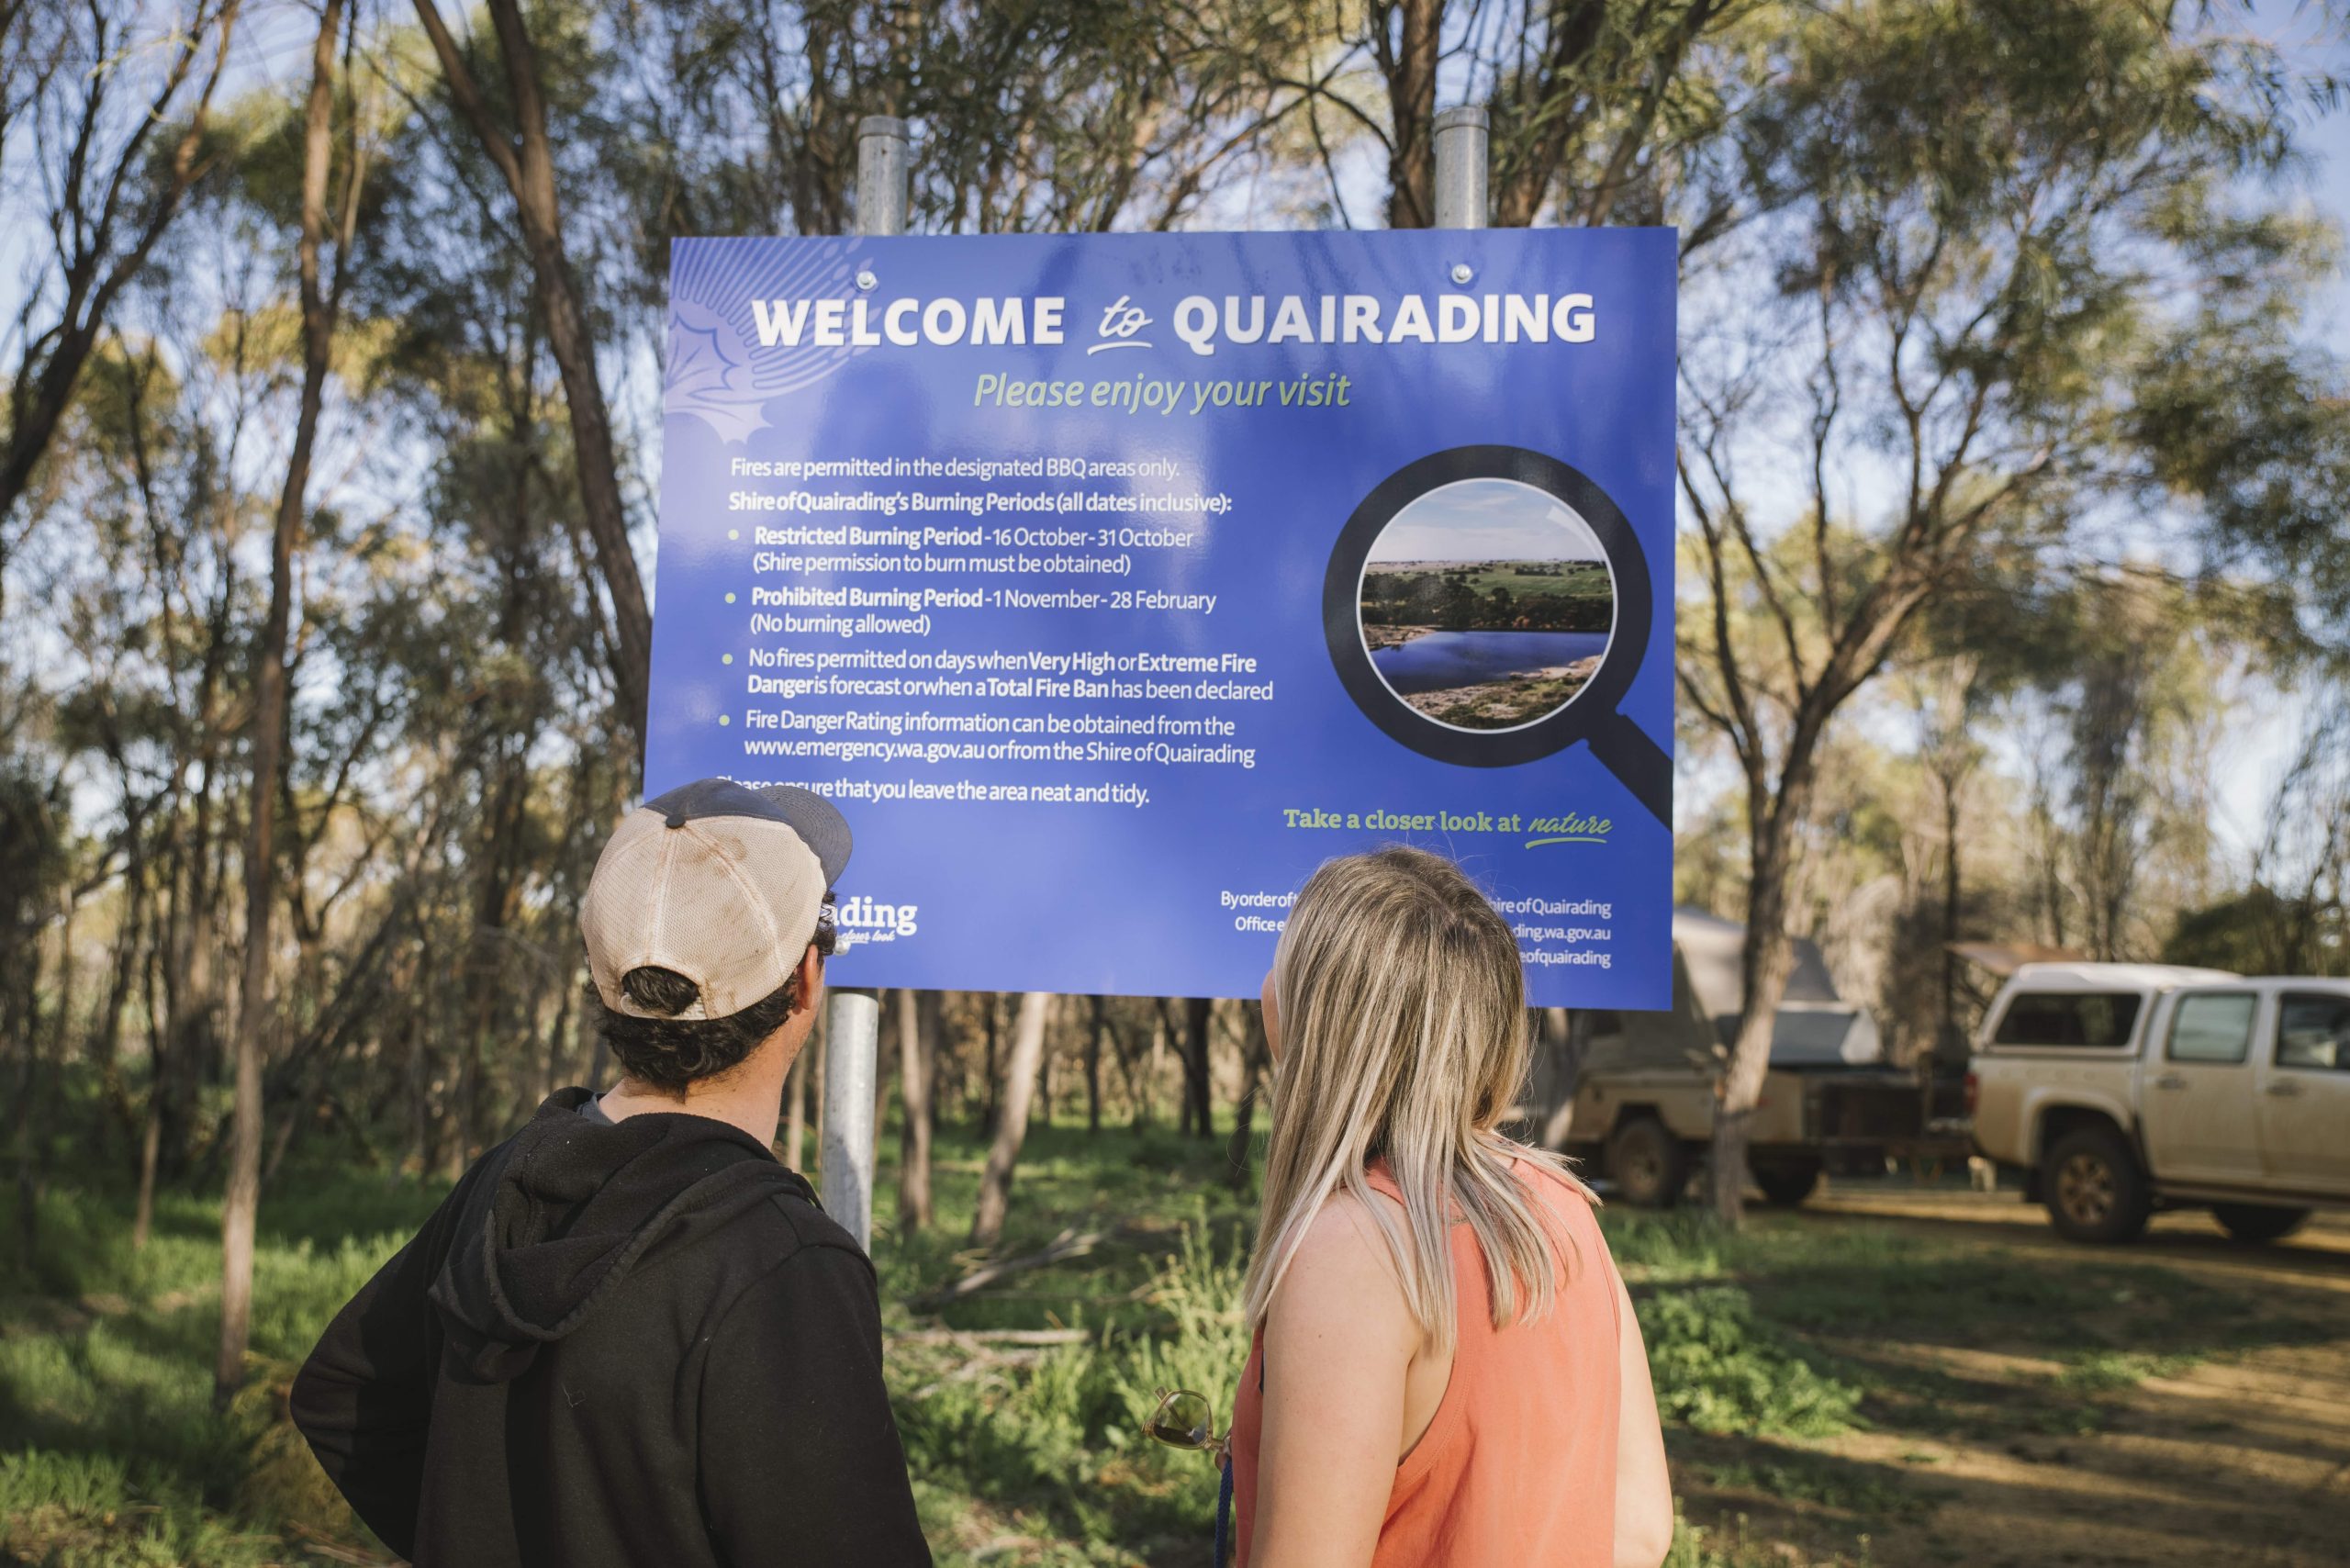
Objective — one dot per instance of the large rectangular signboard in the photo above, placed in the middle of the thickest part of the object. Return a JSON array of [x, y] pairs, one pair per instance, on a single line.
[[1112, 583]]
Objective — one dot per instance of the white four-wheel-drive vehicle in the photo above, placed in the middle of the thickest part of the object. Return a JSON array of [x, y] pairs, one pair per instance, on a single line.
[[2121, 1089]]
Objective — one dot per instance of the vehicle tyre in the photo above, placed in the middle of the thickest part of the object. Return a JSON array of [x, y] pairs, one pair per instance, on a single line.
[[2093, 1187], [2258, 1222], [1648, 1163], [1787, 1185]]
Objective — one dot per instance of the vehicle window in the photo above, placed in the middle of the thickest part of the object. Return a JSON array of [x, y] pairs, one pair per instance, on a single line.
[[2097, 1018], [2313, 1032], [2212, 1028]]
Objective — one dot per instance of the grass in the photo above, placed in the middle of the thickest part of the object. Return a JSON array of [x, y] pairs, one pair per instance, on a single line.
[[1768, 1348]]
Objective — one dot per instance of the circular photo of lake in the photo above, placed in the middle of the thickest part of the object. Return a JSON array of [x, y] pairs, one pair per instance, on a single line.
[[1486, 604]]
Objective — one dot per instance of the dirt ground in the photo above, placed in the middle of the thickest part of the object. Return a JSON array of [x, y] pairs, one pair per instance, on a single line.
[[2237, 1453]]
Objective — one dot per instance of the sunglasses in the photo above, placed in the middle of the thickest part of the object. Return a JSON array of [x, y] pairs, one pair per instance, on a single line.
[[828, 931], [1186, 1420]]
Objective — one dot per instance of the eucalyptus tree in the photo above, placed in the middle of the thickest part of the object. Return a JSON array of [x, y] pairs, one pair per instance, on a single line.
[[150, 605], [1963, 231], [321, 291], [1054, 116], [513, 128], [1594, 103], [104, 111], [2293, 916]]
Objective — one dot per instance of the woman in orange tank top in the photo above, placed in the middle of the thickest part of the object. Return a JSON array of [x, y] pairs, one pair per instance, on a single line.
[[1445, 1371]]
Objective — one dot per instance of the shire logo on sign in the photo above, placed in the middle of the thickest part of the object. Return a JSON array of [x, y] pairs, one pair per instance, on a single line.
[[862, 920]]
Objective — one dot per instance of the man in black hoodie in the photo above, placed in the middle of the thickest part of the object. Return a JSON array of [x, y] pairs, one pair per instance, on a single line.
[[630, 1337]]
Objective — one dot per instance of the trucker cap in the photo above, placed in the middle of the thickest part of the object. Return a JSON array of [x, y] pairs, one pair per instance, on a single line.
[[718, 881]]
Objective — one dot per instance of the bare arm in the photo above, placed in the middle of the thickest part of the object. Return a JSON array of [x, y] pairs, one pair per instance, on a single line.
[[1643, 1490], [1338, 1344]]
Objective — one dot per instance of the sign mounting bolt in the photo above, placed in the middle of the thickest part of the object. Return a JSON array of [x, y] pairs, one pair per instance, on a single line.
[[1461, 271], [866, 280]]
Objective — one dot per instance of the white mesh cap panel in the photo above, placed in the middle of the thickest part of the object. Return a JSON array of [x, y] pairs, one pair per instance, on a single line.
[[729, 902], [615, 916]]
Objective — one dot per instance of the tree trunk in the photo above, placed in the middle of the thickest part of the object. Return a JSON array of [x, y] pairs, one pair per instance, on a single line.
[[1197, 1016], [820, 1046], [107, 1046], [1161, 1027], [1011, 1126], [1137, 1085], [1769, 959], [1566, 1038], [559, 1038], [1041, 1109], [917, 1052], [151, 1149], [1411, 67], [1094, 1068], [243, 1197], [20, 1019], [795, 1114], [994, 1104], [1946, 1046], [1254, 1055]]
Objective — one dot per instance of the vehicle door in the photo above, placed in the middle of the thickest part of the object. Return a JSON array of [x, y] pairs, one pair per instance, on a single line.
[[2196, 1107], [2305, 1105]]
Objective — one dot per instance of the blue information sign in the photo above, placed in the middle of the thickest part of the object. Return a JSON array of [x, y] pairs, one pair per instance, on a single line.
[[1111, 583]]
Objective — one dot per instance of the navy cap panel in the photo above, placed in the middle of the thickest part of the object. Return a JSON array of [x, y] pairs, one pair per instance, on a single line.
[[716, 798], [816, 819]]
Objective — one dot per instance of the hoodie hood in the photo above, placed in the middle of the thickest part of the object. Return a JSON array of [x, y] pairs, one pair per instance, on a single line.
[[571, 1207]]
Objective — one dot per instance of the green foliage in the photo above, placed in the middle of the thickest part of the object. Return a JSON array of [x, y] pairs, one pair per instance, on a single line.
[[1719, 1370], [111, 1455], [2260, 931], [92, 1510], [1056, 1443], [2117, 1371], [1524, 596]]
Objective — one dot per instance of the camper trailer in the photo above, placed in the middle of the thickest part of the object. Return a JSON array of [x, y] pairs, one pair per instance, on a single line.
[[1644, 1095]]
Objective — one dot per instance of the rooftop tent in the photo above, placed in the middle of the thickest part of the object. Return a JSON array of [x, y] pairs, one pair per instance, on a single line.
[[1826, 1034], [1816, 1028], [1711, 947]]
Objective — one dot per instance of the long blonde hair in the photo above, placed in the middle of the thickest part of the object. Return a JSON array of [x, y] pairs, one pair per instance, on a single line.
[[1401, 1003]]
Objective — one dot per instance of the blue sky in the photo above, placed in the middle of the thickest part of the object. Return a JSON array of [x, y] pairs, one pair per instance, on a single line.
[[1486, 519]]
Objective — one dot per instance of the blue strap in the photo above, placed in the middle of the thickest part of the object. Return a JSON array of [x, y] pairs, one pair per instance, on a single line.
[[1223, 1516]]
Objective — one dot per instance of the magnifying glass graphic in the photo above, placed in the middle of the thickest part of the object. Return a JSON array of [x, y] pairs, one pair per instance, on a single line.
[[1488, 606]]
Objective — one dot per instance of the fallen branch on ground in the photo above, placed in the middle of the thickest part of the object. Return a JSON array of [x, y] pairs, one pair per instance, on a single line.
[[983, 1363], [1067, 1245], [990, 1336]]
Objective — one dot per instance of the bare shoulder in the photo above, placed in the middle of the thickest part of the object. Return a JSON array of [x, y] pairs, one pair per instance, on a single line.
[[1344, 1238], [1343, 1272]]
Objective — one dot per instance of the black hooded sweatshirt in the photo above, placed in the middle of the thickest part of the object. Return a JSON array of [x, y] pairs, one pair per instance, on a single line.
[[639, 1345]]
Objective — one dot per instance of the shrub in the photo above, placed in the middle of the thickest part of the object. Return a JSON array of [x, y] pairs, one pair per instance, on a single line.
[[1720, 1371]]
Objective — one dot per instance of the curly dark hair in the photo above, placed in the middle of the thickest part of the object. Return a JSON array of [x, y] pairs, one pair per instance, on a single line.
[[672, 1052]]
